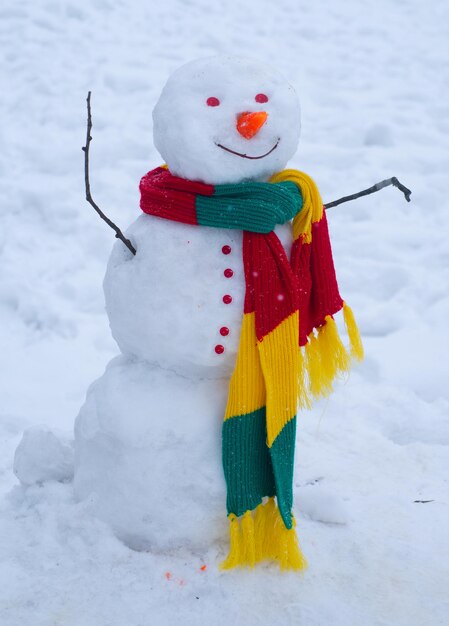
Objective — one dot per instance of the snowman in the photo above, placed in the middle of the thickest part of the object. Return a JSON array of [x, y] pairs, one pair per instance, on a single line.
[[149, 452]]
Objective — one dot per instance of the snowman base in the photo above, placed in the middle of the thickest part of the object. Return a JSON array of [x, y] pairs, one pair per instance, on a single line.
[[147, 456]]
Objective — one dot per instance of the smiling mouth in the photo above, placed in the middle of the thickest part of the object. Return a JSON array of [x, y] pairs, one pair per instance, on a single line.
[[247, 156]]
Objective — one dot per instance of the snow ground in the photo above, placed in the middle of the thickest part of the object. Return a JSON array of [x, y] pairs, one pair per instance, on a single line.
[[373, 81]]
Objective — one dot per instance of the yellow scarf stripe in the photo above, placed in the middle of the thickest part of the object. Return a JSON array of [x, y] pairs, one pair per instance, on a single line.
[[260, 535], [247, 385], [280, 359], [312, 208]]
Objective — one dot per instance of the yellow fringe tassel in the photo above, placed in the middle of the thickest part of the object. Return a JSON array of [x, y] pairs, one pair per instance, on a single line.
[[334, 356], [261, 537], [326, 357], [318, 386], [353, 333], [249, 539], [268, 541], [234, 557], [304, 399]]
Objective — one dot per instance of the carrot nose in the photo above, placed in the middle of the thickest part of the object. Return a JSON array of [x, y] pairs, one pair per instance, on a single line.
[[249, 124]]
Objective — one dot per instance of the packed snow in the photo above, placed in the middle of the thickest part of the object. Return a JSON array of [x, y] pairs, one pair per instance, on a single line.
[[42, 456], [370, 482]]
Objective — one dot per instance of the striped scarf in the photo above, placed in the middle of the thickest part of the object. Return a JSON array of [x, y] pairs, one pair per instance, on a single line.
[[290, 351]]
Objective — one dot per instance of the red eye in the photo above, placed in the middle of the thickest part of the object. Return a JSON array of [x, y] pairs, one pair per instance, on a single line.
[[261, 97], [212, 102]]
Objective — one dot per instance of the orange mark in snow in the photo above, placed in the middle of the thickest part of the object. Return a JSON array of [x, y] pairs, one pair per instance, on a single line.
[[168, 575], [203, 568]]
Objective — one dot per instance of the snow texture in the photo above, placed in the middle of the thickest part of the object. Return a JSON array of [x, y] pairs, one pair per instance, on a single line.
[[371, 475]]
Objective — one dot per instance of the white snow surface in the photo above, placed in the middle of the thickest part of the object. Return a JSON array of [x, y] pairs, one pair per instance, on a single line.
[[370, 482]]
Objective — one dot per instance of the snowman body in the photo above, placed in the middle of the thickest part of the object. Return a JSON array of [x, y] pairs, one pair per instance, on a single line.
[[148, 438], [178, 304]]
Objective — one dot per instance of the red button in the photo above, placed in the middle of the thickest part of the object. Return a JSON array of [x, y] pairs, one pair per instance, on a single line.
[[219, 349], [227, 299], [228, 273], [224, 331], [226, 249]]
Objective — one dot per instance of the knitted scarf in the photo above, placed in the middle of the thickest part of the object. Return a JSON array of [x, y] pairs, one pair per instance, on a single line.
[[290, 351]]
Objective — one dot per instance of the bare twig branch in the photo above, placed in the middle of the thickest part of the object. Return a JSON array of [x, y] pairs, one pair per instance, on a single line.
[[115, 228], [377, 187]]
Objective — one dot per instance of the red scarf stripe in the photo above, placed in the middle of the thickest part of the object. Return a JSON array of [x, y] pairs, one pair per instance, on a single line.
[[171, 197], [325, 297], [300, 262], [272, 288], [313, 264], [161, 177]]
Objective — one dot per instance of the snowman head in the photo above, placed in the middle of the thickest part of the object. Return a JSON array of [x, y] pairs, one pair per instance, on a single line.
[[226, 120]]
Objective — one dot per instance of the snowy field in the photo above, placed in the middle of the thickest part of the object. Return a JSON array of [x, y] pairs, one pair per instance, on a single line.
[[372, 461]]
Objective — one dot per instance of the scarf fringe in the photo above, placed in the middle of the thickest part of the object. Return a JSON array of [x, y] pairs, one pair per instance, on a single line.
[[325, 357], [353, 333], [261, 535]]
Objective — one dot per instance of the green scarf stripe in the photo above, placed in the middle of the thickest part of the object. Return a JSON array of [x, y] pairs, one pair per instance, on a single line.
[[246, 462], [283, 458], [256, 207]]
